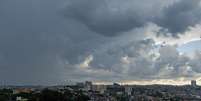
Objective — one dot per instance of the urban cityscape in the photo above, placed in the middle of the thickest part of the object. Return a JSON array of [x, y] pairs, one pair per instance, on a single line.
[[87, 91], [100, 50]]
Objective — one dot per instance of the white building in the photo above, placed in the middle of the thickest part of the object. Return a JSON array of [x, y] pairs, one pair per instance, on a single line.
[[19, 98]]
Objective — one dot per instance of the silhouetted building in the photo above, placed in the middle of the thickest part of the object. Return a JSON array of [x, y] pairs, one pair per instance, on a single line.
[[88, 85], [115, 89], [193, 83]]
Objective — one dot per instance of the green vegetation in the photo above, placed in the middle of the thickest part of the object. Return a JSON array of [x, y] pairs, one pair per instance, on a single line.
[[44, 95]]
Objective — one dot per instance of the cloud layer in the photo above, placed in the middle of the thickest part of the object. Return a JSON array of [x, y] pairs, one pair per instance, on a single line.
[[102, 40], [111, 17]]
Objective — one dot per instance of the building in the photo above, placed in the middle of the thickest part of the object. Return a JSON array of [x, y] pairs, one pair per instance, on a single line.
[[128, 90], [193, 83], [115, 89], [100, 88], [80, 84], [88, 85], [19, 98]]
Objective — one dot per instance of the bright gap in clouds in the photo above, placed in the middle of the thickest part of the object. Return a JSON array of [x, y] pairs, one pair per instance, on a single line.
[[190, 47]]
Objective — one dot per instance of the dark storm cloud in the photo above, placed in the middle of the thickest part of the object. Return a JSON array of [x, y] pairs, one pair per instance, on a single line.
[[180, 15], [27, 51], [111, 17], [35, 42]]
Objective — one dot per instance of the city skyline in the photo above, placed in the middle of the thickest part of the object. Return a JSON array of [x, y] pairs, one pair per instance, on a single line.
[[47, 42]]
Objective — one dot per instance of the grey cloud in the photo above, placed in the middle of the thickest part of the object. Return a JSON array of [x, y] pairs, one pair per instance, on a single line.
[[180, 15], [34, 42], [113, 17], [143, 63], [37, 45], [195, 62], [170, 60]]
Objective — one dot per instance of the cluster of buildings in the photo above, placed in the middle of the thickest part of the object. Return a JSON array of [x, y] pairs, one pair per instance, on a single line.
[[117, 92]]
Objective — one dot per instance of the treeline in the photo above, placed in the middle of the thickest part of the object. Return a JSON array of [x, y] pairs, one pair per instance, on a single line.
[[44, 95]]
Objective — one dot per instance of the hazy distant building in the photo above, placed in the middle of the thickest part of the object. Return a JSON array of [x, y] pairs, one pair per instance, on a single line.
[[100, 88], [193, 83], [128, 90], [115, 89], [88, 85]]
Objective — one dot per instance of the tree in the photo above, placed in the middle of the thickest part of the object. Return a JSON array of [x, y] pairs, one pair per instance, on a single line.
[[50, 95]]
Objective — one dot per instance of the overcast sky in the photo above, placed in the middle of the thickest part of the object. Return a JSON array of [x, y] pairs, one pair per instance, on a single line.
[[53, 41]]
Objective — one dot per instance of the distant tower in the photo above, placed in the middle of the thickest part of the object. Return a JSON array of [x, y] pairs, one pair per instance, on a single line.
[[193, 83], [88, 85]]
